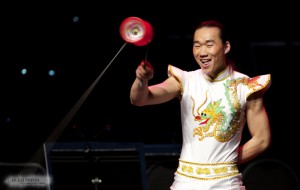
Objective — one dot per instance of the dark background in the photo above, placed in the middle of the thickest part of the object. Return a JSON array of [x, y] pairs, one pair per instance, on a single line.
[[44, 36]]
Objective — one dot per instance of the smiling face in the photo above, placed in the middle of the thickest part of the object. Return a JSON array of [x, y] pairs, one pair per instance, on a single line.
[[210, 51]]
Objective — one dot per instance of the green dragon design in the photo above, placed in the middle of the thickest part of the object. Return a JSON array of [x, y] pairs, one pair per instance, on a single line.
[[214, 116]]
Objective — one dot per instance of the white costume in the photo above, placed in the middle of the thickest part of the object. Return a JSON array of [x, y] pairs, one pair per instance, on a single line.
[[212, 117]]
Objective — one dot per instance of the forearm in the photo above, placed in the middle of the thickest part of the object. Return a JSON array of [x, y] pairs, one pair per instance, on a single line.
[[252, 149], [139, 92]]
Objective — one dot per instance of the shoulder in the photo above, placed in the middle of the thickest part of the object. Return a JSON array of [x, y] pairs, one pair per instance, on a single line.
[[175, 71], [254, 84]]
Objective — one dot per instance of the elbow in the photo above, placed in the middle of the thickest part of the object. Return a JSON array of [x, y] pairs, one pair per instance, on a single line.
[[136, 102], [266, 143]]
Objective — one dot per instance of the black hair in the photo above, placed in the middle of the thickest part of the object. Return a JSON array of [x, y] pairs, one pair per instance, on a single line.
[[215, 23]]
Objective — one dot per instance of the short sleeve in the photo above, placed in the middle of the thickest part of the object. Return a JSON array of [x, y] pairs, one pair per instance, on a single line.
[[178, 74], [174, 71], [258, 83]]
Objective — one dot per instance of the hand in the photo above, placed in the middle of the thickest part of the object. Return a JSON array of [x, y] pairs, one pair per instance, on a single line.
[[145, 71]]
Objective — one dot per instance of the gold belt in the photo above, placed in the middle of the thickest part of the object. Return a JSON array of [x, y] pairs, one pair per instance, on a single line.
[[207, 171]]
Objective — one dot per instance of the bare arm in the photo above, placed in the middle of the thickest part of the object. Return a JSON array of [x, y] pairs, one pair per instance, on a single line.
[[141, 94], [259, 128]]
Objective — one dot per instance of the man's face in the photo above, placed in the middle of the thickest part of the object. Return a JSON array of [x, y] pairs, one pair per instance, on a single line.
[[209, 50]]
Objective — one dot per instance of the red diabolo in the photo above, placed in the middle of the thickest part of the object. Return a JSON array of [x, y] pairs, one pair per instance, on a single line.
[[136, 31]]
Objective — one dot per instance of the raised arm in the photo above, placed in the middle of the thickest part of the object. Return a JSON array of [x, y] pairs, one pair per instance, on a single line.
[[142, 94]]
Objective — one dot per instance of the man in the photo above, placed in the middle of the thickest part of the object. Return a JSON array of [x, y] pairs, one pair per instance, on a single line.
[[216, 102]]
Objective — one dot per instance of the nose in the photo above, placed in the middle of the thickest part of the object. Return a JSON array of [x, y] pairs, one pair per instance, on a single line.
[[202, 52]]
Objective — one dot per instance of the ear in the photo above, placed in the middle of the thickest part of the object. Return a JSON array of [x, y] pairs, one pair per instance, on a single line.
[[227, 47]]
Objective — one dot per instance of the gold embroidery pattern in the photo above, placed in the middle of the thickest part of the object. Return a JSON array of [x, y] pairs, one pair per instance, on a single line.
[[212, 178], [214, 116], [204, 171]]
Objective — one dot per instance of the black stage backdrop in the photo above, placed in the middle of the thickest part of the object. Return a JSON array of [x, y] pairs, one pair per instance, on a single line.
[[79, 40]]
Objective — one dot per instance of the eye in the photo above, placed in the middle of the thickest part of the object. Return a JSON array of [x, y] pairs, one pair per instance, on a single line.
[[197, 45]]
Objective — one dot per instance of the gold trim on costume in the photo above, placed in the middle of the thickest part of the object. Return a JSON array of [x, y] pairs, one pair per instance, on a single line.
[[207, 171]]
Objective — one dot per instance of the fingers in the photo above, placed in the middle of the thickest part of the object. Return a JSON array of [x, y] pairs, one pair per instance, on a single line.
[[144, 71], [146, 65]]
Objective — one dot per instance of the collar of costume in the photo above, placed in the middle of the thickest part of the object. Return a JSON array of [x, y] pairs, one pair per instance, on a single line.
[[221, 76]]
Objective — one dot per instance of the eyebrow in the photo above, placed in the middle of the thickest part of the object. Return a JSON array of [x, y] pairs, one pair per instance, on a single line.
[[207, 41]]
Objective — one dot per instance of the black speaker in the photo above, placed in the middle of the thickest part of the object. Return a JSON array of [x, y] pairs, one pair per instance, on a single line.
[[102, 166], [270, 174], [161, 164]]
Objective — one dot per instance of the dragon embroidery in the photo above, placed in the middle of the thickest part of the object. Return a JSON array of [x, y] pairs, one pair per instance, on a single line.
[[214, 116]]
